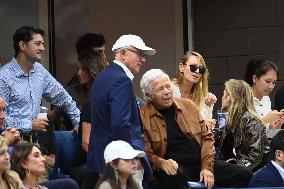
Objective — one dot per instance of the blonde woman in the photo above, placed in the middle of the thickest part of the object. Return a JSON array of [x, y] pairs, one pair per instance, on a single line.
[[243, 139], [8, 178], [192, 82]]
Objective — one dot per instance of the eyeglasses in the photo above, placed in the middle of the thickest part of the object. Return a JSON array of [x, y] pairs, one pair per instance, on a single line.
[[139, 53], [194, 68]]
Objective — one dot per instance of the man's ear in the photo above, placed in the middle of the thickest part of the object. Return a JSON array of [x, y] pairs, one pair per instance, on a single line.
[[277, 155], [22, 45], [122, 53], [148, 96], [181, 67]]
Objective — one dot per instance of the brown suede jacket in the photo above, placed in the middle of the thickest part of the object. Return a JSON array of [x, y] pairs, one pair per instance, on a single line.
[[192, 125]]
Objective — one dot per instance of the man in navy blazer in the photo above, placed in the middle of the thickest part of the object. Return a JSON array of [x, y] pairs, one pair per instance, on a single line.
[[272, 174], [115, 115]]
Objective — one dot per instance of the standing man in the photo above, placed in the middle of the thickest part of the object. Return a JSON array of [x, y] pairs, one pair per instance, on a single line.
[[24, 81], [114, 109]]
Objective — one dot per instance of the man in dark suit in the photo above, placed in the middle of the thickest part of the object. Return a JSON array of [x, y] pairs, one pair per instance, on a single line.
[[272, 175], [115, 114]]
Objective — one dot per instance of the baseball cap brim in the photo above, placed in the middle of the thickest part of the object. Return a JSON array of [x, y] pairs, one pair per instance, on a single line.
[[134, 154], [146, 50]]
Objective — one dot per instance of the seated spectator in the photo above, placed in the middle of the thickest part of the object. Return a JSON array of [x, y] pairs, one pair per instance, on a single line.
[[11, 135], [121, 160], [244, 133], [273, 173], [8, 179], [192, 83], [262, 75], [28, 161], [179, 145]]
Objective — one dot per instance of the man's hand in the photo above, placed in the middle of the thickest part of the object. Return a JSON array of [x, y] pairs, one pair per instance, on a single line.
[[169, 166], [207, 177], [11, 135], [39, 124]]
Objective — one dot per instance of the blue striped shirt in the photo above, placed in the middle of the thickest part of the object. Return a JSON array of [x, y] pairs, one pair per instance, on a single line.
[[23, 93]]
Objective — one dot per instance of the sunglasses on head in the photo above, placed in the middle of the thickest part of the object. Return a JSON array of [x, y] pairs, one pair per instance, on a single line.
[[194, 67]]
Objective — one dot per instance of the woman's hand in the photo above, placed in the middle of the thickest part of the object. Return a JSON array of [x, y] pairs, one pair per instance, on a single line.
[[210, 123], [275, 118], [210, 99], [277, 124]]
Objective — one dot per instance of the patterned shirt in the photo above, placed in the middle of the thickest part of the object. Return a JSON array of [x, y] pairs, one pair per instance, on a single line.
[[23, 93]]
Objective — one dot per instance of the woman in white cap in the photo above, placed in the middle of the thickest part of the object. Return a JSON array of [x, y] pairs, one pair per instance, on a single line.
[[121, 160]]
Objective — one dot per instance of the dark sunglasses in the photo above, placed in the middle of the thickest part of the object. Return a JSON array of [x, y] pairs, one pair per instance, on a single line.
[[194, 67]]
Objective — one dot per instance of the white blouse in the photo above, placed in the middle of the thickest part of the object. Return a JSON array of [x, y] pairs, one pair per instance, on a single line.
[[263, 106]]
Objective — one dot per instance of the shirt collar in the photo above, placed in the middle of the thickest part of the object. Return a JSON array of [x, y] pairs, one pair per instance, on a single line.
[[125, 69], [279, 168], [17, 68], [153, 111]]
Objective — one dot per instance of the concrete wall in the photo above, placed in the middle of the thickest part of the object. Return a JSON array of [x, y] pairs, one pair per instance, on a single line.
[[231, 32]]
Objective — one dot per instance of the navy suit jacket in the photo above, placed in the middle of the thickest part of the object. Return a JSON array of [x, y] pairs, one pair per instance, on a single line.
[[268, 176], [115, 115]]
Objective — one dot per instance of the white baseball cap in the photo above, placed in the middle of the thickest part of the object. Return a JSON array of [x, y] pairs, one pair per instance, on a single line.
[[135, 41], [121, 149]]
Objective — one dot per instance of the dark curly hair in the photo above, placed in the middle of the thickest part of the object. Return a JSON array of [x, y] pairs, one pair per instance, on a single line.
[[88, 41]]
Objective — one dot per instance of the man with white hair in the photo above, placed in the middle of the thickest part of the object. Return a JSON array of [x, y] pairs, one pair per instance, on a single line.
[[179, 145], [115, 115]]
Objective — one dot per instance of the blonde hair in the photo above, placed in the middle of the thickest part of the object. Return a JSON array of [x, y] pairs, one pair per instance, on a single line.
[[241, 96], [200, 89], [10, 176]]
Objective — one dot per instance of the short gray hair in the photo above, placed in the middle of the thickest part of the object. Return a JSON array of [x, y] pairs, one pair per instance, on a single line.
[[148, 77]]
